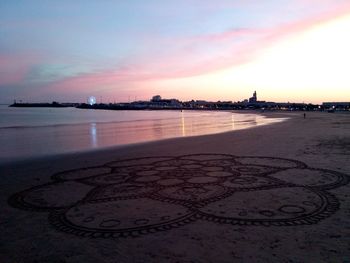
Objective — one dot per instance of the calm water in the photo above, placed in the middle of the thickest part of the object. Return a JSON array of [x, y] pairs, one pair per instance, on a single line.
[[34, 132]]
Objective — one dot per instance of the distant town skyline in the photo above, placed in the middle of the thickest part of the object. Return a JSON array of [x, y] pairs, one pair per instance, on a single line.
[[294, 51]]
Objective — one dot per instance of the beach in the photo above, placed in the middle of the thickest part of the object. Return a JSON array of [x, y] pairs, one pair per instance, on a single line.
[[36, 132], [272, 193]]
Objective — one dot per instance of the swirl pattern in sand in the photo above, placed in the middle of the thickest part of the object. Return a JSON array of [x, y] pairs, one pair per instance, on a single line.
[[145, 195]]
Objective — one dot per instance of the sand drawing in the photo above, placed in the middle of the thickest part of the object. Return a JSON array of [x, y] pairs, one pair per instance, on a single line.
[[140, 196]]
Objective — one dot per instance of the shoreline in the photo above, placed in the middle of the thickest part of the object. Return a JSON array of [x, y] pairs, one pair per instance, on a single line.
[[12, 160], [121, 121], [103, 152], [310, 154]]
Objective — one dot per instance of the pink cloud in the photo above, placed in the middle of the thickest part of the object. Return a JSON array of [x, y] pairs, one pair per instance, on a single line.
[[194, 56], [15, 67]]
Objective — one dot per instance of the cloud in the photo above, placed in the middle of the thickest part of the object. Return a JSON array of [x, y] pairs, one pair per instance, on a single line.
[[14, 67], [162, 58], [193, 56]]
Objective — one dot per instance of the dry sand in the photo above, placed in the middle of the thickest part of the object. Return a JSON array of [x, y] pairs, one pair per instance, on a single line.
[[276, 193]]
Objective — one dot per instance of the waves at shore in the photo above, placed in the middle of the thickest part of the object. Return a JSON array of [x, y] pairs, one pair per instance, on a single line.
[[38, 132]]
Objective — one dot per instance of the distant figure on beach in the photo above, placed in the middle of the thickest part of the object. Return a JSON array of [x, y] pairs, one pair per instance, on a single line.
[[304, 115]]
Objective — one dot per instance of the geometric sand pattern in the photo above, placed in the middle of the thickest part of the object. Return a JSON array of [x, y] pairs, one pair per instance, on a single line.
[[146, 195]]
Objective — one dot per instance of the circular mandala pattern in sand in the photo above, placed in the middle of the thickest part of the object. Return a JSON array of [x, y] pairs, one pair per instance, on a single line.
[[145, 195]]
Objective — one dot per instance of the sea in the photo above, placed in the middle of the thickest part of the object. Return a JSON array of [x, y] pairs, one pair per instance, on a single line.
[[37, 132]]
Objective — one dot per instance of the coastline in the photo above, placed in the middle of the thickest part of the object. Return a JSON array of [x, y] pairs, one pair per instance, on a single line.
[[321, 141], [213, 143], [106, 149], [44, 140]]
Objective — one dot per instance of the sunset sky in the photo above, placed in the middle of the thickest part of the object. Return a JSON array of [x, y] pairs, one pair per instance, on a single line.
[[297, 51]]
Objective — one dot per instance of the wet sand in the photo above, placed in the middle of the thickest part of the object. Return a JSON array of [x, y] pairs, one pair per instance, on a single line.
[[275, 193], [21, 140]]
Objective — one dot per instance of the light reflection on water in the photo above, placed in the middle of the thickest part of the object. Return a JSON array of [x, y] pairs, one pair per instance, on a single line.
[[23, 141], [93, 133], [183, 128]]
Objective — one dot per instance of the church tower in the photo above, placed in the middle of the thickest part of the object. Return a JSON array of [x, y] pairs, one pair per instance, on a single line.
[[254, 98]]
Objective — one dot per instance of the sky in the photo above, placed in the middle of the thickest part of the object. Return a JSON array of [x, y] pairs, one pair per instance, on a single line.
[[117, 51]]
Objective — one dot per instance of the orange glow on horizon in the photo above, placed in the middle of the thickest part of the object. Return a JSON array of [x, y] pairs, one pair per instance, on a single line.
[[310, 66]]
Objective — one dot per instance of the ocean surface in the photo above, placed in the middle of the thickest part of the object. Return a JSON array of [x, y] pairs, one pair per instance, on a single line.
[[36, 132]]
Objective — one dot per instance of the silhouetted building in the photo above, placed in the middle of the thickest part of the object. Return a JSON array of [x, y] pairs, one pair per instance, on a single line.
[[158, 102], [253, 99], [156, 98], [336, 105]]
